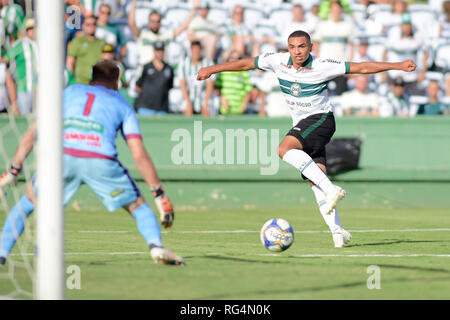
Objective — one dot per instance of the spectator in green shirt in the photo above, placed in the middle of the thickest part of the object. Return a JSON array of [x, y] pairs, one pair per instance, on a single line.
[[325, 7], [84, 51], [23, 55], [433, 106], [235, 89], [13, 20]]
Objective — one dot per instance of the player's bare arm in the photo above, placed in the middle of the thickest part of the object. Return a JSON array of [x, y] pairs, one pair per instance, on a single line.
[[146, 168], [143, 162], [238, 65], [23, 150], [188, 19], [375, 67], [132, 19]]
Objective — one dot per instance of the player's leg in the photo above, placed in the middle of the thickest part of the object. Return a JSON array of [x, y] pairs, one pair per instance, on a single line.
[[146, 222], [15, 223], [307, 138], [148, 227], [290, 150], [339, 234], [112, 183]]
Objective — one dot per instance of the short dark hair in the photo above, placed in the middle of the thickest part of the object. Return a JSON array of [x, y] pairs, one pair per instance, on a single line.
[[196, 43], [106, 72], [299, 34]]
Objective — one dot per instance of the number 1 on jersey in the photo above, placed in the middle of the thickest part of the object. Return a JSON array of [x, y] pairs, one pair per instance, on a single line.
[[88, 107]]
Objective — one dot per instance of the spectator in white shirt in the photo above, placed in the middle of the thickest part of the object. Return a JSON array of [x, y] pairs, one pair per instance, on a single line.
[[200, 29], [360, 101]]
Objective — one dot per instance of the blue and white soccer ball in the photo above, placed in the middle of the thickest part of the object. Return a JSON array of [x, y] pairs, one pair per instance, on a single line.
[[277, 234]]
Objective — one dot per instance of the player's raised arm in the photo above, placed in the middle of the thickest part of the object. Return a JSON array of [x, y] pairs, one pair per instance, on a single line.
[[238, 65], [375, 67]]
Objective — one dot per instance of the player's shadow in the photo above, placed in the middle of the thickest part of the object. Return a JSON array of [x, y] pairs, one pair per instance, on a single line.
[[293, 291], [390, 242], [415, 268]]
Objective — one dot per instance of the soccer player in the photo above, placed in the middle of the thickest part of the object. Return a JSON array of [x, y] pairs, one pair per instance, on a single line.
[[93, 114], [303, 80]]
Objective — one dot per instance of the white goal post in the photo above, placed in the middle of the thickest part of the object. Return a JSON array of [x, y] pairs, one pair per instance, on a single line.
[[50, 212]]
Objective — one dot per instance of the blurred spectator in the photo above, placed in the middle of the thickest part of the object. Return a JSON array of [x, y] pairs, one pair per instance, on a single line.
[[433, 106], [394, 17], [108, 32], [298, 22], [240, 35], [148, 37], [360, 54], [23, 55], [334, 40], [325, 8], [8, 93], [114, 5], [312, 17], [257, 102], [402, 44], [13, 19], [396, 102], [196, 94], [275, 105], [200, 29], [108, 53], [84, 51], [444, 30], [154, 84], [235, 89], [72, 24], [359, 101]]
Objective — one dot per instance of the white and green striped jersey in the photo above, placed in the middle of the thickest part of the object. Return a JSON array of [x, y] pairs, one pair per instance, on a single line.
[[23, 53], [13, 18], [188, 70], [305, 89], [4, 101]]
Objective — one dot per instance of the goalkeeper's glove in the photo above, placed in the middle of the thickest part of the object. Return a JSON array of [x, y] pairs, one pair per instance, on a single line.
[[9, 177], [164, 206]]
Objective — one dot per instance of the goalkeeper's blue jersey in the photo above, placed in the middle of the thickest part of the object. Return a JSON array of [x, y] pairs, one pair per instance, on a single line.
[[92, 117]]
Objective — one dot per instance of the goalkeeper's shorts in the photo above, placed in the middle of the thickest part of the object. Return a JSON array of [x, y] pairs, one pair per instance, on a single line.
[[109, 180]]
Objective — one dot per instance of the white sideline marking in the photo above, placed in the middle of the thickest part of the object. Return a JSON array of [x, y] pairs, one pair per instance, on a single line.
[[262, 255], [359, 255], [253, 231]]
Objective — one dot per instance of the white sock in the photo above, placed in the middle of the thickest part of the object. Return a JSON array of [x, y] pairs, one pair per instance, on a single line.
[[332, 219], [303, 162]]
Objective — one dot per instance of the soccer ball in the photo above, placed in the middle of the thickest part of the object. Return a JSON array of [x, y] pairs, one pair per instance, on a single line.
[[277, 234]]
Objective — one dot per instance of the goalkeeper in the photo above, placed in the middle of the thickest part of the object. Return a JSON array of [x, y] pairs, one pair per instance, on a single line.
[[303, 80], [93, 114]]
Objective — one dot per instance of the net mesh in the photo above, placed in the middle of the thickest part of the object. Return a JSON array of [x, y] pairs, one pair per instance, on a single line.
[[17, 275]]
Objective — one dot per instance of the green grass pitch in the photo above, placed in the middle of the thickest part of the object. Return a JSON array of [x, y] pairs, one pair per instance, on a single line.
[[403, 228]]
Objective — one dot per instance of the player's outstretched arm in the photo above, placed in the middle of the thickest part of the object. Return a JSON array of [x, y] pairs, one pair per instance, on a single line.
[[147, 169], [375, 67], [23, 150], [238, 65]]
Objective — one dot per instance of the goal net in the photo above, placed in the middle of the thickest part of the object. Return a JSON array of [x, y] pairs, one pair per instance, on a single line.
[[35, 267]]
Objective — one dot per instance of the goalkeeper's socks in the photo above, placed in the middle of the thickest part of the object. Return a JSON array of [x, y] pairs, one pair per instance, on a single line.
[[148, 225], [303, 162], [14, 225], [332, 219]]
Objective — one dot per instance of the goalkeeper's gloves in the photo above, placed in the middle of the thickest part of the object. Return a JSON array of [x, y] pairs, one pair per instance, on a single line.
[[164, 206], [9, 178]]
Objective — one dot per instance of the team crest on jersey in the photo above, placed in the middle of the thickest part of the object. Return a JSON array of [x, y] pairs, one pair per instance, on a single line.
[[296, 89]]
